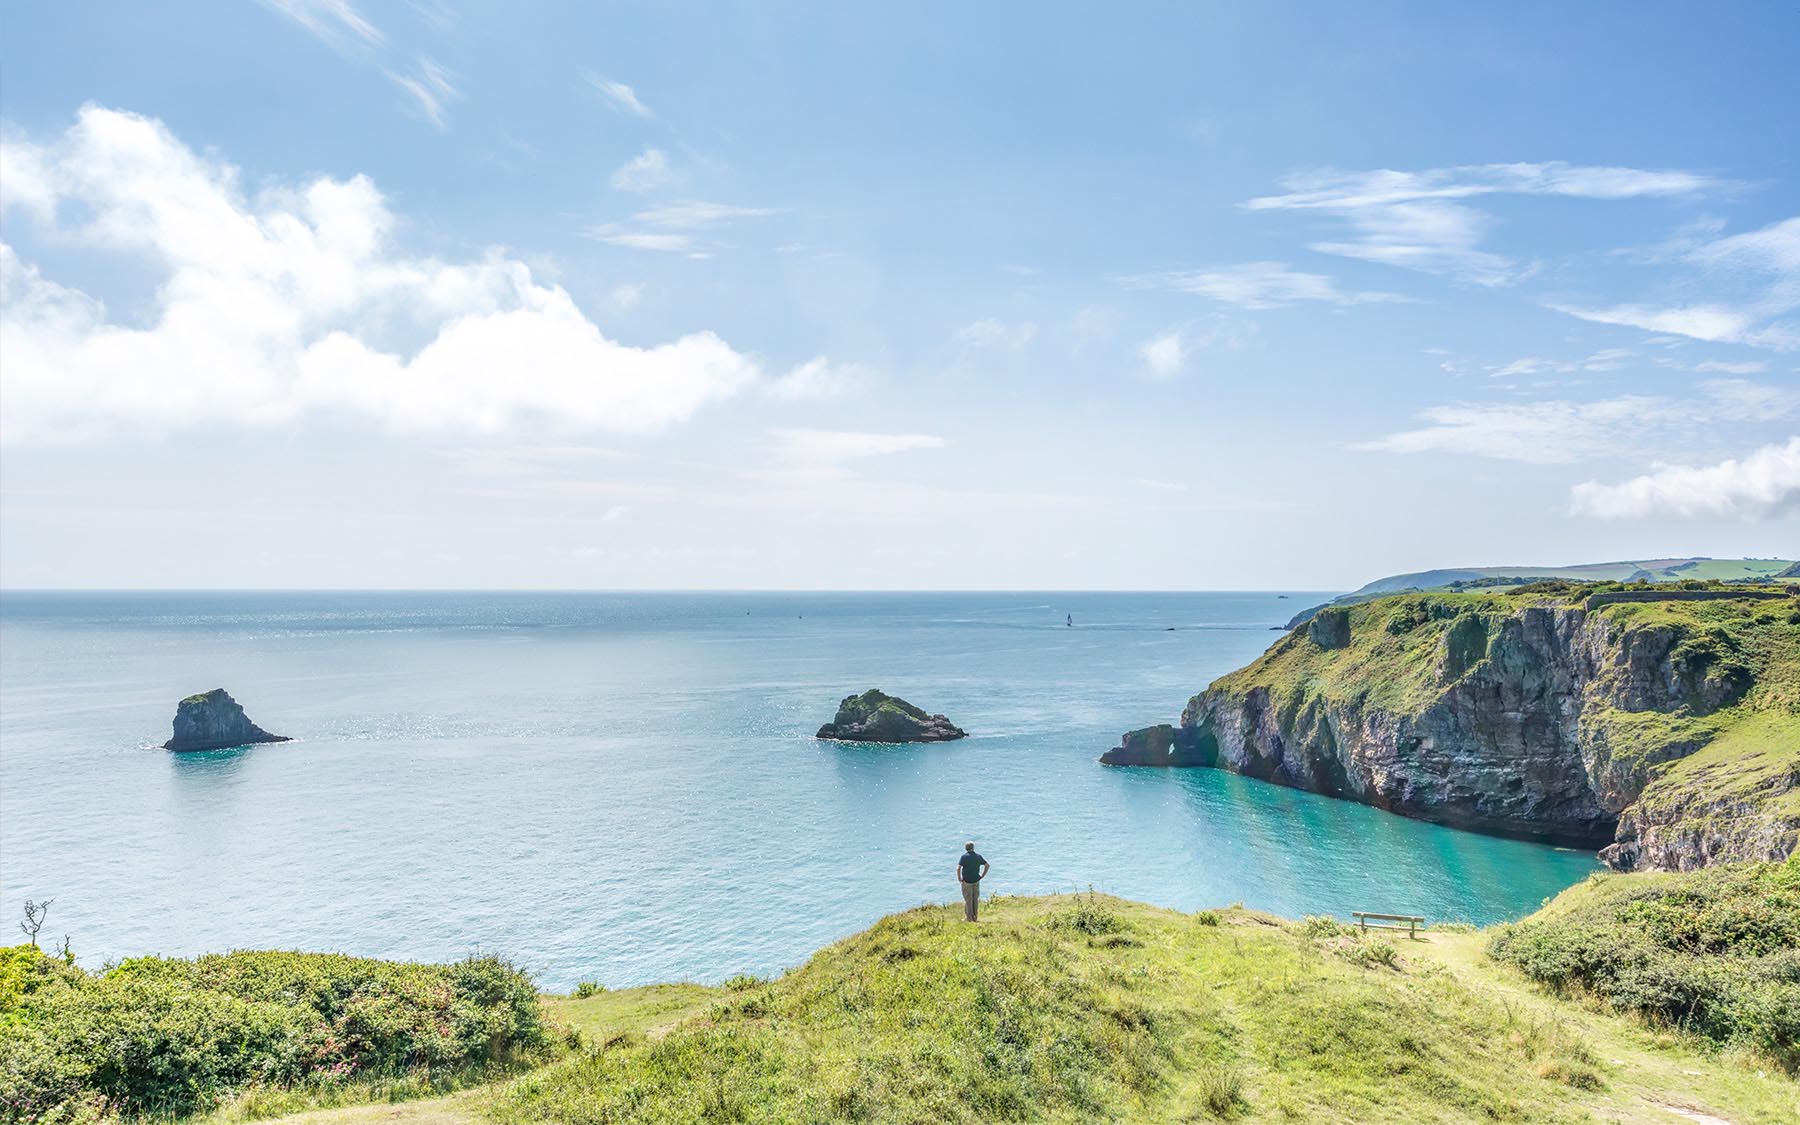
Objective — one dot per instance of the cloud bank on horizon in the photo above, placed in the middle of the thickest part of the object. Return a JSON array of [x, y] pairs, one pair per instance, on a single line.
[[1604, 344]]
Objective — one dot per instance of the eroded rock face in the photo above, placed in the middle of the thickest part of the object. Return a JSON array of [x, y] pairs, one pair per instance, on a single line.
[[1517, 730], [875, 716], [213, 721]]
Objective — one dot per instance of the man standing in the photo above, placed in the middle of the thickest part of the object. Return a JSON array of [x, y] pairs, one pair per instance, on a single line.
[[971, 869]]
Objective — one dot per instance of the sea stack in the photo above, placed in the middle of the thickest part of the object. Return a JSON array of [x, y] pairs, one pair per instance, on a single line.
[[875, 716], [213, 721]]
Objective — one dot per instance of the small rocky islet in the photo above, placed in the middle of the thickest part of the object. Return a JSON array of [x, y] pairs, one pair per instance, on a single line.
[[875, 716], [212, 720]]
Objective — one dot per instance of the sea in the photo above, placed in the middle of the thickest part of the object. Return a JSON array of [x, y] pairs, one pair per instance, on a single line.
[[625, 787]]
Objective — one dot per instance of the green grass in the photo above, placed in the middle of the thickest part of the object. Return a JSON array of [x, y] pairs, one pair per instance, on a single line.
[[1716, 952], [1089, 1008]]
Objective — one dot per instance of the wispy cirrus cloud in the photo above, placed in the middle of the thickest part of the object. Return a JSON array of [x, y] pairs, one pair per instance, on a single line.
[[1757, 277], [1419, 220], [621, 97], [431, 89], [648, 171], [1564, 431], [1259, 285], [341, 26], [674, 227], [337, 23], [1761, 485]]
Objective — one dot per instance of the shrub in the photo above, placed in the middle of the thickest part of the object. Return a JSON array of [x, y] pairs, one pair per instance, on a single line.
[[1089, 916], [1318, 926], [1368, 954], [1715, 951], [171, 1037], [588, 988], [1207, 918], [743, 982]]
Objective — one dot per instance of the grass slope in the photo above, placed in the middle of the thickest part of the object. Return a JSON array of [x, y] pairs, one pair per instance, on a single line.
[[1716, 952], [1094, 1009]]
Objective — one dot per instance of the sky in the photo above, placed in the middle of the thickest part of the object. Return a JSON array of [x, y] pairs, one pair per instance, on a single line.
[[443, 294]]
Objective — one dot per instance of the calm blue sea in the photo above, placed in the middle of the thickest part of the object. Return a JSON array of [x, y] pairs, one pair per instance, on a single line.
[[624, 787]]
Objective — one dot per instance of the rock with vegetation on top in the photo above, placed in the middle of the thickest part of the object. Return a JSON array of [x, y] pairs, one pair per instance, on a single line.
[[1660, 726], [213, 720], [875, 716]]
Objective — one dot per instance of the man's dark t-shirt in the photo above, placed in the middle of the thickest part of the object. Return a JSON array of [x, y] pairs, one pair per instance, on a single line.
[[971, 866]]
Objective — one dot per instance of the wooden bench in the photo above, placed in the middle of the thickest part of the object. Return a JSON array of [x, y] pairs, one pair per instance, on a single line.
[[1413, 925]]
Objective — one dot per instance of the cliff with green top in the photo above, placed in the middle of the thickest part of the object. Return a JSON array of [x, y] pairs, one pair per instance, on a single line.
[[1659, 725]]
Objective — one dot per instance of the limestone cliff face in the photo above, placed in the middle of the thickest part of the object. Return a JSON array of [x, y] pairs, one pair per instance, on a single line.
[[1545, 720]]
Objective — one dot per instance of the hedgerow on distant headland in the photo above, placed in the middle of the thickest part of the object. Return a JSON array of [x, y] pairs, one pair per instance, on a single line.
[[166, 1037]]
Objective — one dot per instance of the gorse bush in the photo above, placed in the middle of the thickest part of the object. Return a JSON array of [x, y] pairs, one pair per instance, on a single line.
[[588, 988], [1716, 952], [170, 1037]]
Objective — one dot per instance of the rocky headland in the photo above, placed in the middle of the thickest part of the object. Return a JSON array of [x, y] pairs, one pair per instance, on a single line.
[[875, 716], [213, 720], [1662, 728]]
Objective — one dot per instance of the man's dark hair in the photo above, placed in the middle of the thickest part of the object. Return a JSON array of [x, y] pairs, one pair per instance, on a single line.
[[969, 847]]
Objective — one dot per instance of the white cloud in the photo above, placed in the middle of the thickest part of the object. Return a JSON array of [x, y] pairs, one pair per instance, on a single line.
[[1765, 483], [340, 26], [1565, 431], [1700, 322], [818, 378], [696, 213], [1757, 274], [336, 22], [991, 333], [672, 226], [626, 295], [1164, 355], [295, 302], [1414, 219], [1716, 366], [643, 240], [1260, 285], [1606, 359], [647, 171], [824, 448], [620, 96], [431, 90]]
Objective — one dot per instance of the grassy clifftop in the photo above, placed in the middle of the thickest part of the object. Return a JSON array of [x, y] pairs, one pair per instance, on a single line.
[[1679, 715], [1088, 1008]]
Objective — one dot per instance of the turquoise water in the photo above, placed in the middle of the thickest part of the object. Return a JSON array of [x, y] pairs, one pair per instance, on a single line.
[[623, 787]]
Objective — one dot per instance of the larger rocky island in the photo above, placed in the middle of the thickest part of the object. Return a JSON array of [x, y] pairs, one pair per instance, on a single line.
[[1658, 724], [875, 716], [213, 720]]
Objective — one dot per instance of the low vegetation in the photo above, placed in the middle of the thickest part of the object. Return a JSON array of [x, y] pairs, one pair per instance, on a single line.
[[1066, 1009], [157, 1037], [1089, 1008], [1713, 952]]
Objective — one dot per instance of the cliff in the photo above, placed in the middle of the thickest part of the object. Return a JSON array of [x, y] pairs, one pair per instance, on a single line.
[[1664, 731], [213, 720], [875, 716]]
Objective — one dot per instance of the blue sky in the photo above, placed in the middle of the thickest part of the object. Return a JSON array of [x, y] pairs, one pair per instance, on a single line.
[[337, 293]]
